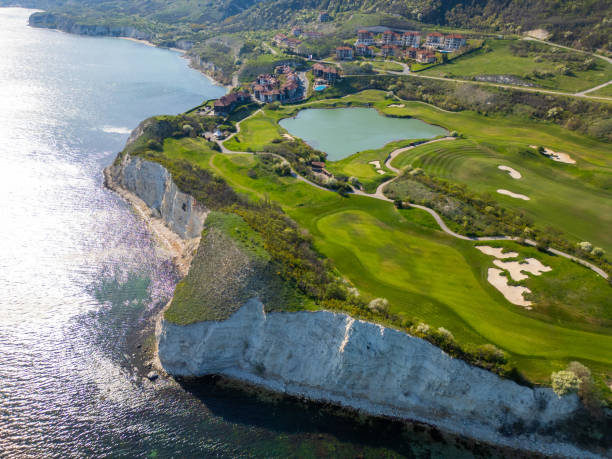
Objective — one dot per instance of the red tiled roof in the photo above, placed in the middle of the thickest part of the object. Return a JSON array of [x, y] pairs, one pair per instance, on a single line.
[[435, 34], [455, 35]]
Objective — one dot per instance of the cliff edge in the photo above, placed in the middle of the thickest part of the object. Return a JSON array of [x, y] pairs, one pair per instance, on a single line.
[[324, 355]]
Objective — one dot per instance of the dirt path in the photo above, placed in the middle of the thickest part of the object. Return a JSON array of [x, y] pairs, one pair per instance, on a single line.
[[582, 93]]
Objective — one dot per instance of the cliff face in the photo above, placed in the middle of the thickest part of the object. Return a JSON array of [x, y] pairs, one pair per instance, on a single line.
[[333, 357], [67, 24], [153, 184]]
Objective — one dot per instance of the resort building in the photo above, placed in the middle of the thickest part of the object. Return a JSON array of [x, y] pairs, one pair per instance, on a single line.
[[411, 53], [280, 40], [411, 39], [434, 40], [296, 31], [425, 56], [391, 38], [224, 105], [365, 37], [364, 50], [344, 53], [391, 50], [329, 73], [284, 86], [453, 42]]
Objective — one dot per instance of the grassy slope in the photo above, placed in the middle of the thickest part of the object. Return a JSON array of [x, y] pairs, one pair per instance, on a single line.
[[500, 61], [556, 198]]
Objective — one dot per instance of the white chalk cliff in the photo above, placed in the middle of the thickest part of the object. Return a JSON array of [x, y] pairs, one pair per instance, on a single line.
[[333, 357]]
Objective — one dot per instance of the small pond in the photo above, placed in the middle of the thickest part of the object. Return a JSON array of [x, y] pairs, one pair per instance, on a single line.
[[340, 132]]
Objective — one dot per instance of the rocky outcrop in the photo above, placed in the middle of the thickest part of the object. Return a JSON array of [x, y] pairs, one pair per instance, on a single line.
[[153, 184], [69, 25], [333, 357]]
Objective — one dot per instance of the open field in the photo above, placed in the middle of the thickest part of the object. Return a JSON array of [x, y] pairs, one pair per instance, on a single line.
[[498, 59], [399, 255]]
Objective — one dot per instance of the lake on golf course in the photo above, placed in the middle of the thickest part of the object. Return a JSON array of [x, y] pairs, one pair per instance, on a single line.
[[341, 132]]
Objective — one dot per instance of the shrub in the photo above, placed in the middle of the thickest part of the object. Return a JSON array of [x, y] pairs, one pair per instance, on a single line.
[[153, 144], [598, 252], [585, 246], [564, 382], [379, 305]]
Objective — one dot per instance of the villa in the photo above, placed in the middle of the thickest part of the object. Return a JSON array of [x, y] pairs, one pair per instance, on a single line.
[[411, 53], [344, 53], [284, 86], [391, 50], [365, 37], [412, 39], [434, 40], [324, 16], [364, 50], [224, 105], [454, 42], [391, 38], [425, 56], [329, 73]]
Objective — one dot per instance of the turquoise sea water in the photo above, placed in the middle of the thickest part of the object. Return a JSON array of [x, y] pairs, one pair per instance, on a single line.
[[79, 272], [341, 132]]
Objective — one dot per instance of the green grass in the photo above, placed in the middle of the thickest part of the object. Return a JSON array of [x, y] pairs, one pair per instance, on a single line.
[[557, 198], [423, 272], [387, 65], [501, 61], [606, 91], [255, 133], [357, 165], [401, 256]]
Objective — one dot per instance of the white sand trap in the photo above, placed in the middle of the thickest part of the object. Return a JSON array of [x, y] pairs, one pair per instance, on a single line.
[[515, 268], [496, 252], [512, 172], [376, 164], [557, 156], [380, 171], [513, 195], [397, 105], [288, 137], [513, 293]]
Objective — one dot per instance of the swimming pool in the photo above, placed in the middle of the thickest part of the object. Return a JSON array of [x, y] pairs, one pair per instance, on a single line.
[[320, 87]]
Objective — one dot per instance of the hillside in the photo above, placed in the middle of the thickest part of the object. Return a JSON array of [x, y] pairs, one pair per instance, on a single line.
[[583, 23]]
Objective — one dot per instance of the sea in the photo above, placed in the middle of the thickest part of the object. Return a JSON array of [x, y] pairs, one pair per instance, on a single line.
[[81, 277]]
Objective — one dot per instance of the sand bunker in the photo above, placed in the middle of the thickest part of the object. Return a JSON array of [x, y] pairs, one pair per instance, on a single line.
[[556, 156], [516, 269], [376, 164], [496, 252], [380, 171], [288, 137], [512, 172], [513, 195], [513, 293], [397, 105]]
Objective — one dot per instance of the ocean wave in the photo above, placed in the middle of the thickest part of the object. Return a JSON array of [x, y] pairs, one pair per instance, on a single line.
[[116, 130]]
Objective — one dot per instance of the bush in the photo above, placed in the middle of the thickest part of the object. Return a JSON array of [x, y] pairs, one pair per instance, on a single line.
[[379, 305], [154, 145], [564, 382]]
